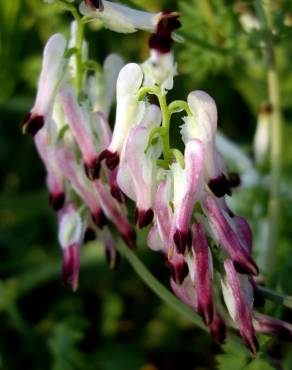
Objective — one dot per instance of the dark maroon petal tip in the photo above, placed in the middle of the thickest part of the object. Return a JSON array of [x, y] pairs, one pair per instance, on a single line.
[[218, 329], [92, 169], [113, 259], [206, 313], [182, 240], [117, 193], [33, 123], [249, 268], [99, 219], [130, 238], [57, 201], [161, 40], [95, 4], [234, 180], [252, 344], [89, 235], [143, 218], [179, 272], [71, 265], [112, 160], [220, 186]]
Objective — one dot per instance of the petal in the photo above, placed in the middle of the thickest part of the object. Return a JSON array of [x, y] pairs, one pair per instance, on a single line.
[[270, 325], [226, 236], [128, 112], [71, 265], [218, 328], [53, 62], [81, 130], [71, 228], [120, 18], [186, 292], [186, 186], [203, 275], [114, 213], [239, 306], [142, 170]]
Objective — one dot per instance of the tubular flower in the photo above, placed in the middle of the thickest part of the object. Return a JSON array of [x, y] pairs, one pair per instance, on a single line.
[[202, 125], [129, 112], [51, 74], [71, 234], [181, 196], [120, 18]]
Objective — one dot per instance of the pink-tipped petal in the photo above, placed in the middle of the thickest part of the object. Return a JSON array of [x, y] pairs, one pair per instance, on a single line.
[[218, 328], [71, 266], [226, 236], [186, 187], [186, 292], [239, 306], [203, 275], [270, 325]]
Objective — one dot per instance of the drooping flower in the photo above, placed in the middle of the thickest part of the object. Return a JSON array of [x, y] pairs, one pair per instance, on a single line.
[[120, 18], [239, 304], [202, 125], [186, 184], [50, 77], [160, 68], [71, 232], [128, 113]]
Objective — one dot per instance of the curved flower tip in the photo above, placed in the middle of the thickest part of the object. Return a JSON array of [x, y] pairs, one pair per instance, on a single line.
[[185, 291], [203, 275], [112, 160], [57, 201], [117, 193], [218, 328], [94, 4], [227, 237], [186, 186], [143, 217], [99, 218], [129, 237], [269, 325], [178, 269], [89, 235], [239, 306], [161, 40], [50, 77], [32, 123], [71, 266], [220, 186], [92, 169]]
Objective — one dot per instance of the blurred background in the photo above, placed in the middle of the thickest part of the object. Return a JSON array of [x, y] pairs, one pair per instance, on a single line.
[[113, 321]]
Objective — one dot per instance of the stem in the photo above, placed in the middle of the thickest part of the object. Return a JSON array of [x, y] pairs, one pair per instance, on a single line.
[[163, 293], [271, 295], [276, 143], [179, 105]]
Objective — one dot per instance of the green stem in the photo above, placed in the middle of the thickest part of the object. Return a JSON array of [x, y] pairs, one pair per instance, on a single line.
[[164, 134], [179, 105], [271, 295], [163, 293], [274, 213]]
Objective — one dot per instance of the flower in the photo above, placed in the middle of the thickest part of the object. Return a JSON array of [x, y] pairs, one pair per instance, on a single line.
[[71, 232], [128, 113], [120, 18], [50, 77], [202, 125]]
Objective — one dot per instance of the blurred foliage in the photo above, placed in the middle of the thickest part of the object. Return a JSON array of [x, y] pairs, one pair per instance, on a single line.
[[114, 322]]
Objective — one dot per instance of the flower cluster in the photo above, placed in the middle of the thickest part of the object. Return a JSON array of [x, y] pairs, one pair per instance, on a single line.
[[92, 170]]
